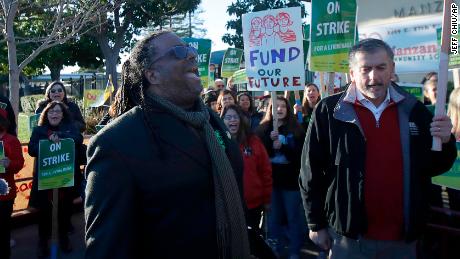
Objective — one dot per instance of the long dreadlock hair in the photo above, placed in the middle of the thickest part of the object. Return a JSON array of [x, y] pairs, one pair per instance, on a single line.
[[133, 81]]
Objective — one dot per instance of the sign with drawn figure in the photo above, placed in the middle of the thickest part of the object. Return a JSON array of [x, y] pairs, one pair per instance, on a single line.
[[56, 162], [231, 62], [333, 28], [273, 50], [203, 46]]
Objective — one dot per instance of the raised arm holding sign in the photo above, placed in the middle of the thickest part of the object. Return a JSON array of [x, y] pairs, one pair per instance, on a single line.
[[440, 108], [273, 48]]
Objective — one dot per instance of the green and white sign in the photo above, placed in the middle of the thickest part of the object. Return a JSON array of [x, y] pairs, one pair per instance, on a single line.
[[240, 77], [231, 62], [451, 178], [204, 53], [414, 89], [454, 59], [2, 155], [33, 121], [56, 162], [333, 28]]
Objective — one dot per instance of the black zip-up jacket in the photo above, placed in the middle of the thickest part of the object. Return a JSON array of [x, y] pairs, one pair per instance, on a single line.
[[285, 176], [333, 162]]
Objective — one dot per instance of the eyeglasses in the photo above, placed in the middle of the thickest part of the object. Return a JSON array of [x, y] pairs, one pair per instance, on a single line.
[[59, 90], [54, 111], [231, 117], [180, 52]]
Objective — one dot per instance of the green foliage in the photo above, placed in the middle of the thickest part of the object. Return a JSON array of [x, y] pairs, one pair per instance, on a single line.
[[182, 23], [24, 131], [131, 16], [92, 118], [29, 103], [83, 51], [246, 6]]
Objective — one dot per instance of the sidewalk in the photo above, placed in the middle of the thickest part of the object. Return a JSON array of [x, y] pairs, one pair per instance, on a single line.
[[27, 238]]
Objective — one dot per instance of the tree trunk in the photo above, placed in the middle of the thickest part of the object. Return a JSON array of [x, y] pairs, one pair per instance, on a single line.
[[111, 69], [111, 58], [55, 70], [12, 58]]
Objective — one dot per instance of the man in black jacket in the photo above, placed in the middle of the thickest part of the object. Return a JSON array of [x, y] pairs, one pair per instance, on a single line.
[[163, 177], [367, 162]]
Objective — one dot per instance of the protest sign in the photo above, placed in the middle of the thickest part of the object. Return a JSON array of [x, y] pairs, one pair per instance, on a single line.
[[33, 121], [414, 89], [56, 162], [333, 28], [441, 90], [413, 42], [451, 178], [273, 50], [203, 46], [23, 181], [231, 62], [454, 58], [240, 77], [93, 97]]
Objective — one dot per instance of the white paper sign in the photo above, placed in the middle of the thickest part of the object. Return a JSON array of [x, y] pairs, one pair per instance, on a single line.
[[414, 42], [273, 50]]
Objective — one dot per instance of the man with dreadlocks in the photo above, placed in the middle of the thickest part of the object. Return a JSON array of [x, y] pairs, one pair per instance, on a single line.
[[164, 177]]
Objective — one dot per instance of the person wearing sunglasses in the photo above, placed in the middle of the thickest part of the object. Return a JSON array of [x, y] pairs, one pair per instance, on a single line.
[[56, 92], [219, 84], [164, 176]]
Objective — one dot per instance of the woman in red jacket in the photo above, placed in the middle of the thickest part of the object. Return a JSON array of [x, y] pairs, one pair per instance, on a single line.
[[257, 175], [13, 163]]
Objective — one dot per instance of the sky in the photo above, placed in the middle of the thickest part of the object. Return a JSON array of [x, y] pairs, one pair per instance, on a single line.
[[215, 18]]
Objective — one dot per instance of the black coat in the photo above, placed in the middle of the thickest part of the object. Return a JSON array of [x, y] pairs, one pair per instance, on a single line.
[[333, 162], [285, 176], [150, 191]]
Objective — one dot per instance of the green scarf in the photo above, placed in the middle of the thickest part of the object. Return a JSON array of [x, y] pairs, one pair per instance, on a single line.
[[232, 239]]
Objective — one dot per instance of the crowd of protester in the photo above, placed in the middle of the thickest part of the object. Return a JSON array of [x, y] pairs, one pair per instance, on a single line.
[[271, 160]]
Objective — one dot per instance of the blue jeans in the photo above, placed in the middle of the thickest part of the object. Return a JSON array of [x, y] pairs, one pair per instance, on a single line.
[[287, 217]]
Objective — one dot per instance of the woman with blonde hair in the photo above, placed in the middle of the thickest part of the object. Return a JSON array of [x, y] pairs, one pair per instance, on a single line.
[[453, 111], [311, 97]]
